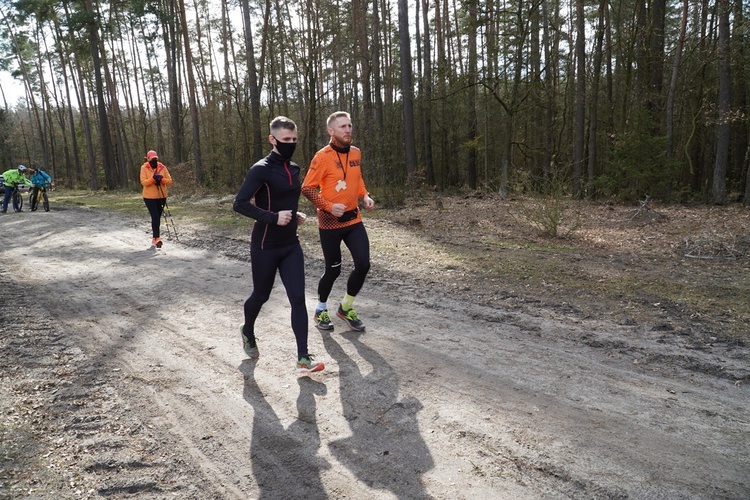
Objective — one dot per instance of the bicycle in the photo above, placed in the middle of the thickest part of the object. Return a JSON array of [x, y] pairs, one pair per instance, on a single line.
[[41, 195], [16, 198]]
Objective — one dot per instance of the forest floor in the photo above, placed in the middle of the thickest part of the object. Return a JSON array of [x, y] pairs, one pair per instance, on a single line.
[[497, 362]]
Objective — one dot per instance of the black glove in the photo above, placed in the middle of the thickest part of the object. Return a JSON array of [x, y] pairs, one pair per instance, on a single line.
[[157, 179]]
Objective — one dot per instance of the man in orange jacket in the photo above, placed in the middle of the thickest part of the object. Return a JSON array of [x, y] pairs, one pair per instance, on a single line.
[[334, 185], [155, 178]]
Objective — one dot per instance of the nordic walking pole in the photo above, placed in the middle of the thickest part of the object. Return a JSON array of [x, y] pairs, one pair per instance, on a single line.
[[168, 213], [166, 223], [171, 220], [163, 213]]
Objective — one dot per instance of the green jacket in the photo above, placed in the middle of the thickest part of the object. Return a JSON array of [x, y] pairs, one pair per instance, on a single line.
[[13, 177]]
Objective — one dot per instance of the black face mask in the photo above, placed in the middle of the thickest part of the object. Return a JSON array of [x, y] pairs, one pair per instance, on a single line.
[[154, 162], [286, 149]]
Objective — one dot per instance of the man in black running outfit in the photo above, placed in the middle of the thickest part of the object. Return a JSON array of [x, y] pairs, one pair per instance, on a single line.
[[274, 184]]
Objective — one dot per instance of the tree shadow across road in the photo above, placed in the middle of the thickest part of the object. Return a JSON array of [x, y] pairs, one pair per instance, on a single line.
[[285, 462], [386, 450]]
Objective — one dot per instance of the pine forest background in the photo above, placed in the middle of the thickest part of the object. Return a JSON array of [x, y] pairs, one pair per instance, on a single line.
[[616, 99]]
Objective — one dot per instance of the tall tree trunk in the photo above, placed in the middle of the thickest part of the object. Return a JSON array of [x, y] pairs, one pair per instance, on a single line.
[[359, 25], [696, 172], [441, 174], [459, 57], [427, 96], [640, 53], [203, 61], [580, 125], [159, 99], [60, 113], [228, 121], [265, 50], [387, 51], [75, 173], [608, 62], [594, 101], [83, 107], [406, 86], [724, 103], [281, 40], [130, 82], [225, 38], [656, 60], [194, 118], [740, 47], [471, 101], [669, 149], [743, 51], [169, 34], [511, 106], [120, 172], [376, 67], [105, 137], [252, 82], [379, 151], [144, 115], [536, 115], [47, 139], [27, 78], [549, 100], [311, 75]]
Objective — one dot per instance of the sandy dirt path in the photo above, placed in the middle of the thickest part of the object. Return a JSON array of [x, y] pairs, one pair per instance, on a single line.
[[123, 375]]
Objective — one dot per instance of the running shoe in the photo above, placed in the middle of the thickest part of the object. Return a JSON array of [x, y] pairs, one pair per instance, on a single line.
[[250, 352], [157, 242], [351, 319], [307, 365], [323, 320]]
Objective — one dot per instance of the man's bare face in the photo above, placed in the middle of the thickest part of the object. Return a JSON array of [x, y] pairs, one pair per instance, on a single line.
[[341, 131]]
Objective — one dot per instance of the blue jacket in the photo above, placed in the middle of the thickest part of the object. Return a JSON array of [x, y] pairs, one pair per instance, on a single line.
[[40, 178]]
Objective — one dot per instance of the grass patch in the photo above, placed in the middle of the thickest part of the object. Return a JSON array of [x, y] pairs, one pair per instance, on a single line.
[[116, 201]]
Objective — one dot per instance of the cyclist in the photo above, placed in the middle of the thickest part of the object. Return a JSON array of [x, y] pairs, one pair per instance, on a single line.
[[13, 178], [40, 179]]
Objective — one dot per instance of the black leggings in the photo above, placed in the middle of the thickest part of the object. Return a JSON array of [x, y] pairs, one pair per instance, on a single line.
[[290, 263], [155, 208], [356, 240]]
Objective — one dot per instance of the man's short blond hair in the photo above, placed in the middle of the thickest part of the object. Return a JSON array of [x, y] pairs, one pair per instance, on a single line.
[[335, 116]]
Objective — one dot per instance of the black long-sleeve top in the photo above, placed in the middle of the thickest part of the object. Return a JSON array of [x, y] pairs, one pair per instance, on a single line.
[[275, 185]]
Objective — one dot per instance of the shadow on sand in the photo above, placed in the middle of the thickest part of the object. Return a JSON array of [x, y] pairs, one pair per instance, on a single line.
[[285, 462], [386, 450]]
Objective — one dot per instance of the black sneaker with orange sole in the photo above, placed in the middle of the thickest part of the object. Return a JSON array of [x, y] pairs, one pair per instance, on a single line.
[[351, 319]]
